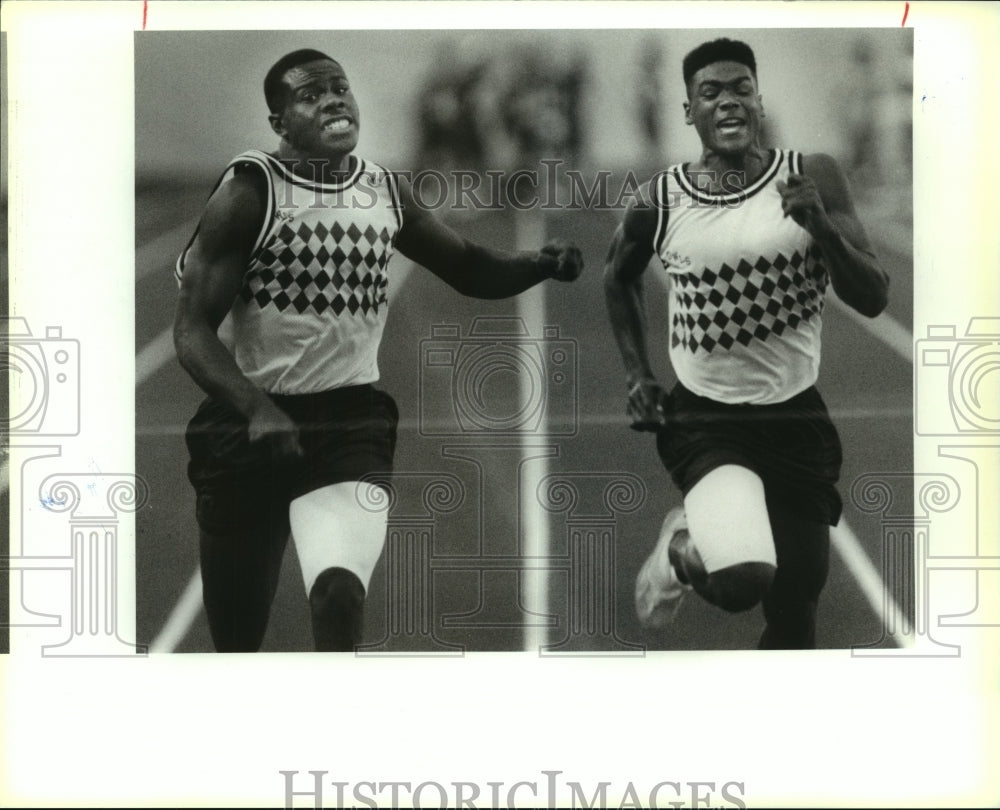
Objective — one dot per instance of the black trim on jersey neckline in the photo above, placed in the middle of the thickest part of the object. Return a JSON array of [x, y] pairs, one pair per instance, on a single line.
[[397, 208], [722, 198], [289, 176], [658, 191]]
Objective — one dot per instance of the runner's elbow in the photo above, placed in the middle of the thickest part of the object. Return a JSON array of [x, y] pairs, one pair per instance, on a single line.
[[878, 299], [617, 285], [182, 340], [612, 279], [187, 336], [872, 305]]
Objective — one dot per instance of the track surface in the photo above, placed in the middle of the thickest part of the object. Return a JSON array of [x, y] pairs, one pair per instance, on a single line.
[[480, 593]]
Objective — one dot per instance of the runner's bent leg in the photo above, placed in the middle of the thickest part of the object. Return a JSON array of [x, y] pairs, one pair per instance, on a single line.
[[730, 559], [339, 532]]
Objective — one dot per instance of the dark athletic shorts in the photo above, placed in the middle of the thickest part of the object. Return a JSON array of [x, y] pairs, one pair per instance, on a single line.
[[346, 434], [793, 447]]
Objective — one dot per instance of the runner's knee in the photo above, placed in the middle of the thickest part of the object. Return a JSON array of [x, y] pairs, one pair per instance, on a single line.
[[739, 587], [336, 592], [336, 600]]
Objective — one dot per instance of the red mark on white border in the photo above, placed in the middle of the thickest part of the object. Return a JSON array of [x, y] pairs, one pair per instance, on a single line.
[[906, 13]]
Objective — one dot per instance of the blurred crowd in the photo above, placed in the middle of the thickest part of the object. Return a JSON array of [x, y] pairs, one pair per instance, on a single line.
[[512, 106], [876, 99], [523, 104], [501, 111]]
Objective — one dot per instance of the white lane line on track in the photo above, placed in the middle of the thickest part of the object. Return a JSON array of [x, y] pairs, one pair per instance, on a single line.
[[885, 328], [529, 234], [891, 332], [162, 251], [181, 617], [868, 578], [154, 355]]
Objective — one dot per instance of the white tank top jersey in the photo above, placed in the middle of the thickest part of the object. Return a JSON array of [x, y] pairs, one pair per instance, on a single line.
[[747, 287], [311, 312]]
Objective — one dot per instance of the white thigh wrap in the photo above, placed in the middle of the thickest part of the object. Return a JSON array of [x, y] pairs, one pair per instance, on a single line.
[[727, 517], [341, 525]]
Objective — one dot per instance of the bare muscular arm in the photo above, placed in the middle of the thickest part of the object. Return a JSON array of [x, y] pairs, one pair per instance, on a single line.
[[474, 270], [819, 200], [213, 274], [630, 251]]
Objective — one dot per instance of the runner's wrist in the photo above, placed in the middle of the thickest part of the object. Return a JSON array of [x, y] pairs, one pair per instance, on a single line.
[[639, 377]]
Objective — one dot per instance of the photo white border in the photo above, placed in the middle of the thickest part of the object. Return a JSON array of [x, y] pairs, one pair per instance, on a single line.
[[823, 729]]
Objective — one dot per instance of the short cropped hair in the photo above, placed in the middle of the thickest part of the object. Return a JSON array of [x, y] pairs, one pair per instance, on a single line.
[[718, 50], [274, 87]]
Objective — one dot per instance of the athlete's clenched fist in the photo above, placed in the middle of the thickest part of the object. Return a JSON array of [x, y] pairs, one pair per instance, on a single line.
[[561, 261]]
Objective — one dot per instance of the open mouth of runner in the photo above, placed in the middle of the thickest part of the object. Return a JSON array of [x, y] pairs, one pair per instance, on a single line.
[[731, 126], [338, 125]]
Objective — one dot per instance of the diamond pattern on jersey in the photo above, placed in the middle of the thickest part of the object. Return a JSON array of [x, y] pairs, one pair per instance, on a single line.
[[323, 268], [720, 308]]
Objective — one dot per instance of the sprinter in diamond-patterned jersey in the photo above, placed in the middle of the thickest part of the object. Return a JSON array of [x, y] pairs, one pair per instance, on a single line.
[[750, 239], [295, 246]]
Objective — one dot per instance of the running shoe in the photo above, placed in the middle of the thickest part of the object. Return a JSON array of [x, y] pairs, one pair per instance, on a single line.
[[658, 590]]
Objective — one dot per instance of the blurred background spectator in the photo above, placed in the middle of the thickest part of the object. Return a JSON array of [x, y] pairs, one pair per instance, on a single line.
[[500, 100]]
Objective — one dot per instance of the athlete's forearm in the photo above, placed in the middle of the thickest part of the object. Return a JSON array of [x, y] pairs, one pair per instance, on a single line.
[[627, 313], [484, 273], [210, 364], [856, 275], [820, 202]]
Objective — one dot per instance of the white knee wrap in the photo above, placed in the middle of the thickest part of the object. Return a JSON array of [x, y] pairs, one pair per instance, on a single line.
[[727, 517], [341, 525]]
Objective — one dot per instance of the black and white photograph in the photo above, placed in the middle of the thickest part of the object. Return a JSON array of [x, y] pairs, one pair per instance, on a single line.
[[535, 476], [384, 374]]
